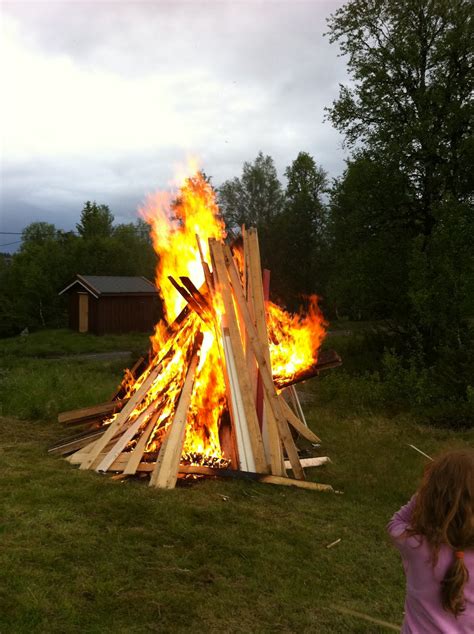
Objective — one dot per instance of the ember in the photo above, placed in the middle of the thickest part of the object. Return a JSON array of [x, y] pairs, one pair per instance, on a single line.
[[208, 397]]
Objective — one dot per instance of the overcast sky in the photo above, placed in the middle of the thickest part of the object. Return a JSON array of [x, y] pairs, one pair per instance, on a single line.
[[102, 99]]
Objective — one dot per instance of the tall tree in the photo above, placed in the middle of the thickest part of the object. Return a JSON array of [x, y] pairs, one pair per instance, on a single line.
[[410, 62], [255, 198], [96, 221], [409, 109], [369, 244], [300, 231]]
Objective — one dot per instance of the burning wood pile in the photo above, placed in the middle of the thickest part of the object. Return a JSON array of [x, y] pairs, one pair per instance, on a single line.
[[210, 399]]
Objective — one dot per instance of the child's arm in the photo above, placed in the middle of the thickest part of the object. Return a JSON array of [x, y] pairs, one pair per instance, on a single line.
[[401, 520]]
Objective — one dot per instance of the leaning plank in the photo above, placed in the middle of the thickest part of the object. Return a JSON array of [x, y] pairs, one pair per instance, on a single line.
[[121, 419], [295, 400], [243, 441], [247, 289], [125, 438], [73, 445], [165, 473], [258, 300], [75, 416], [265, 373], [295, 422], [243, 378], [136, 454]]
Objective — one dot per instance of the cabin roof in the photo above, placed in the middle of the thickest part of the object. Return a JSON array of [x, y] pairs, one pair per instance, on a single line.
[[99, 285]]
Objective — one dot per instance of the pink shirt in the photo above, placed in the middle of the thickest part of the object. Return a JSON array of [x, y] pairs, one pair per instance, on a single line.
[[424, 613]]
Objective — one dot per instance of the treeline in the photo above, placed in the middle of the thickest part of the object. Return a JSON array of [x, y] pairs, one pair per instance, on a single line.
[[390, 241], [49, 258]]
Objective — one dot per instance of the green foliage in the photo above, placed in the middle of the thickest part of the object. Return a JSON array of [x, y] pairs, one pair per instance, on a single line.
[[411, 66], [96, 221], [401, 217], [298, 234], [49, 259], [408, 112], [291, 223], [369, 241], [255, 198]]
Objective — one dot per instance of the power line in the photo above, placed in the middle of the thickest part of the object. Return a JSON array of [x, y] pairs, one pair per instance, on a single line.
[[11, 233], [7, 244]]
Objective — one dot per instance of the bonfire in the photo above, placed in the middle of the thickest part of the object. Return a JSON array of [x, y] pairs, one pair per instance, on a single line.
[[216, 394]]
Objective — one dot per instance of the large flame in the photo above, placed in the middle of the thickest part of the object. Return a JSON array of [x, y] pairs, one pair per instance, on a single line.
[[177, 222]]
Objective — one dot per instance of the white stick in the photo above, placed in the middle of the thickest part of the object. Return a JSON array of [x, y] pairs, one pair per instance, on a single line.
[[310, 462], [422, 452], [333, 543]]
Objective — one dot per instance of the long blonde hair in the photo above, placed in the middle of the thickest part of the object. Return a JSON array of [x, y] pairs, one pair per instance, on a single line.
[[444, 514]]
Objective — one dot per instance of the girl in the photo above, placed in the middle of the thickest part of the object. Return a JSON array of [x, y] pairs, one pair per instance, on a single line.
[[434, 533]]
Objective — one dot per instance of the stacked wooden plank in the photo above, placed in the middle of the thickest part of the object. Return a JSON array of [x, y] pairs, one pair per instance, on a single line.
[[118, 432]]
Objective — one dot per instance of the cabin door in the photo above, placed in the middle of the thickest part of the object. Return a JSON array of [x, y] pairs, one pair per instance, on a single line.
[[83, 312]]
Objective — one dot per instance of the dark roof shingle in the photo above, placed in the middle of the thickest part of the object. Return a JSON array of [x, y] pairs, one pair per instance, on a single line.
[[113, 285]]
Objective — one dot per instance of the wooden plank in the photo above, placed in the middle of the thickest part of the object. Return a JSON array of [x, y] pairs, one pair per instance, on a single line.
[[295, 422], [83, 413], [198, 295], [243, 379], [295, 401], [274, 441], [73, 445], [205, 267], [246, 460], [327, 359], [136, 454], [121, 419], [165, 474], [211, 285], [248, 294], [265, 372], [302, 484], [80, 455], [310, 462], [259, 477], [125, 437], [186, 295]]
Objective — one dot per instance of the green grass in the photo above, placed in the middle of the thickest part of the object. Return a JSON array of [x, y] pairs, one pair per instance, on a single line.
[[84, 553], [48, 343], [35, 384]]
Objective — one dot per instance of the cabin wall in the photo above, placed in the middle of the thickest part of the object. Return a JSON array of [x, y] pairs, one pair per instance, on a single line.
[[125, 313]]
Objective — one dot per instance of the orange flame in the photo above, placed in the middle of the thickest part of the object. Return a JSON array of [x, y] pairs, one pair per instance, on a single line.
[[176, 225], [294, 339]]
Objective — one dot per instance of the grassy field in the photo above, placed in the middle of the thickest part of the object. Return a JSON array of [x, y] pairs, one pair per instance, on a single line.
[[84, 553]]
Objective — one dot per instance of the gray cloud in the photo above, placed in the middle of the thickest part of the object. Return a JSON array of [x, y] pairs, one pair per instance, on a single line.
[[251, 75]]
